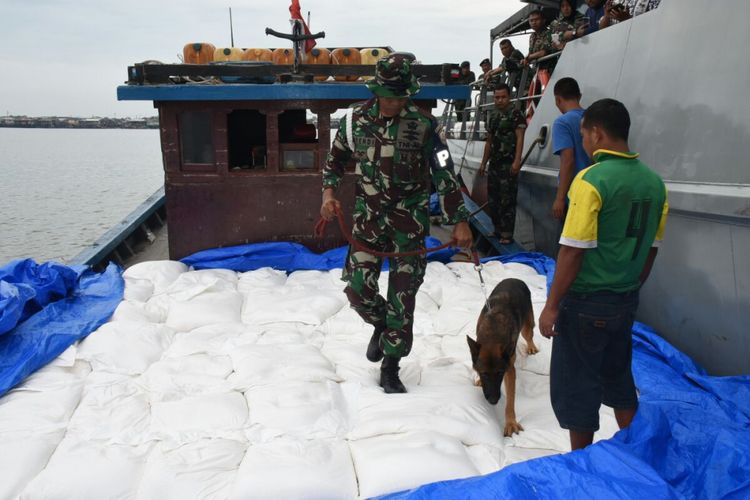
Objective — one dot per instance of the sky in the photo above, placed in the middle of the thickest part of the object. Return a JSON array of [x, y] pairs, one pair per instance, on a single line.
[[67, 57]]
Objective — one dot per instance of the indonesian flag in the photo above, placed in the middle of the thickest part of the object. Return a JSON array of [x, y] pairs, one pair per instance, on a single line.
[[296, 11]]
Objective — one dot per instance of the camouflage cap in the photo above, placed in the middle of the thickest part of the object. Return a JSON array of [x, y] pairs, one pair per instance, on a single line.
[[393, 76]]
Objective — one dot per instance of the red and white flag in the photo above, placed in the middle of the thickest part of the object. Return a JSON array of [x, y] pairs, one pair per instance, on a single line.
[[296, 11]]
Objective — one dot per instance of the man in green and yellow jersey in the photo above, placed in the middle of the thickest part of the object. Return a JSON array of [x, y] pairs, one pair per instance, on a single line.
[[615, 222]]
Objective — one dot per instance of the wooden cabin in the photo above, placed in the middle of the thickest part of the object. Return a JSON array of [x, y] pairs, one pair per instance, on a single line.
[[242, 161]]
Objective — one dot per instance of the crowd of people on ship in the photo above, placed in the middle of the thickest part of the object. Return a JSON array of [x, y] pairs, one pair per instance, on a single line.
[[549, 38], [505, 122]]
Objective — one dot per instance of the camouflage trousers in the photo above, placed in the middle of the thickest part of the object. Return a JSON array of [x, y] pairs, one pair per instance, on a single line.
[[502, 191], [395, 316]]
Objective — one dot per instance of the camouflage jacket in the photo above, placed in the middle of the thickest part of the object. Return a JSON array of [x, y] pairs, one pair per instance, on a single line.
[[393, 161], [562, 24], [511, 64], [543, 41], [501, 127]]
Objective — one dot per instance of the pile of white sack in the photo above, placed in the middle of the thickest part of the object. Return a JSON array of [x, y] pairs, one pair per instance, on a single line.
[[217, 384]]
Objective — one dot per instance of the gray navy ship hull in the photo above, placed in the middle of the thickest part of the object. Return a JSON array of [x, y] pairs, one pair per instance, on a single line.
[[686, 89]]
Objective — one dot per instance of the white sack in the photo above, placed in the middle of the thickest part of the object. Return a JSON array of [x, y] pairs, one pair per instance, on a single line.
[[301, 304], [44, 402], [23, 457], [33, 417], [290, 333], [126, 347], [296, 469], [265, 277], [138, 290], [190, 419], [204, 469], [128, 310], [89, 470], [345, 325], [113, 409], [216, 339], [194, 283], [455, 411], [177, 377], [256, 365], [387, 464], [352, 365], [446, 371], [486, 459], [205, 308], [303, 409], [314, 279], [161, 273]]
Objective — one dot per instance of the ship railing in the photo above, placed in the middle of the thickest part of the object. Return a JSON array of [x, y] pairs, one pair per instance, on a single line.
[[473, 116]]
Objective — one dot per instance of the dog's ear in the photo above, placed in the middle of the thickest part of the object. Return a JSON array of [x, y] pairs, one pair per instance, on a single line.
[[474, 348]]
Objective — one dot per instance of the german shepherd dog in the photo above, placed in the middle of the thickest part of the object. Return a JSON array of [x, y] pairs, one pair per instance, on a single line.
[[493, 354]]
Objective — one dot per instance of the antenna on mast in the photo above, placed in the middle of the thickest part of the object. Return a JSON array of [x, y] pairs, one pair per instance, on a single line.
[[231, 28]]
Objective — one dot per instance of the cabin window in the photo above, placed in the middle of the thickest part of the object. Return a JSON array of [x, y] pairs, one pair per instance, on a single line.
[[298, 141], [196, 137], [246, 140]]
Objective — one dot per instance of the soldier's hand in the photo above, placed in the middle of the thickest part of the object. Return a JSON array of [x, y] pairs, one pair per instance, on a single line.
[[515, 167], [558, 209], [329, 208], [462, 235]]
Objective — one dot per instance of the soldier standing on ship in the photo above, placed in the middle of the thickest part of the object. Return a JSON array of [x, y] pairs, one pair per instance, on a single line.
[[506, 127], [395, 147]]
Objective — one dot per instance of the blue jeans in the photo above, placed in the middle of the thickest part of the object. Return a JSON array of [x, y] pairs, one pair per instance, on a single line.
[[591, 357]]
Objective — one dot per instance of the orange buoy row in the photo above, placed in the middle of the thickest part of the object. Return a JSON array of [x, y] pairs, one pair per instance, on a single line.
[[204, 53]]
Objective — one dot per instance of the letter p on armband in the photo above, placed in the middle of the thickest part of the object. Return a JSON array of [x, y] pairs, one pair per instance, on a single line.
[[443, 158]]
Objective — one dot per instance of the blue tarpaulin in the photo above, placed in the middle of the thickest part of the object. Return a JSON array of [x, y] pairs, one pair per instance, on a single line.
[[690, 439], [73, 303], [287, 256], [26, 287]]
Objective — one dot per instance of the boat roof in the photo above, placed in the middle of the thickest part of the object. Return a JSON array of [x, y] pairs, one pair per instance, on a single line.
[[274, 92], [262, 81]]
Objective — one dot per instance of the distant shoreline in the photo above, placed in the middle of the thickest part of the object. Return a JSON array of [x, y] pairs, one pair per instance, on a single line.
[[80, 123]]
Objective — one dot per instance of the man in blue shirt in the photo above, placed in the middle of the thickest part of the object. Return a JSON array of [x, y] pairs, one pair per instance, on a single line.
[[594, 14], [567, 142]]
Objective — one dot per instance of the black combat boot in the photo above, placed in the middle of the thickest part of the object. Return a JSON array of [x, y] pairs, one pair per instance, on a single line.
[[389, 380], [374, 352]]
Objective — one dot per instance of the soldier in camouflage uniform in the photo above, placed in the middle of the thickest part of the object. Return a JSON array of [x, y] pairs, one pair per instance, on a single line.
[[511, 62], [540, 43], [395, 147], [506, 126]]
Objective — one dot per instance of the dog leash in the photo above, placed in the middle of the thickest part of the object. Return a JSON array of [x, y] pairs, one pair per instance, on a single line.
[[320, 227], [478, 267]]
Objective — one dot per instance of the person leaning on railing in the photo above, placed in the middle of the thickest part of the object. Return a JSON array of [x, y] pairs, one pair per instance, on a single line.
[[540, 42], [512, 58], [569, 24]]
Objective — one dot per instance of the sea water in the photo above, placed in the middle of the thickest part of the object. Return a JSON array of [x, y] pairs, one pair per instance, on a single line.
[[63, 188]]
